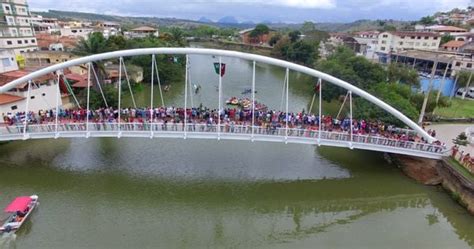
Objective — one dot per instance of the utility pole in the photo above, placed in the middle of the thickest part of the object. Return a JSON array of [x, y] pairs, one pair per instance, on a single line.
[[443, 81], [467, 86], [427, 94]]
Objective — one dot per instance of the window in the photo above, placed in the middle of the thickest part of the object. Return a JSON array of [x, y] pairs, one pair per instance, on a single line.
[[32, 97], [403, 37], [44, 94], [6, 62], [382, 48], [433, 44], [427, 37], [7, 7], [9, 43], [435, 38], [14, 107], [458, 64], [26, 41], [425, 44], [469, 65], [384, 42], [19, 42], [412, 37], [401, 43], [33, 41], [385, 36], [418, 37]]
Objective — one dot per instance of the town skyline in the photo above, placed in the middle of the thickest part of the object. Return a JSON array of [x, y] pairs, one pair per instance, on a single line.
[[286, 11]]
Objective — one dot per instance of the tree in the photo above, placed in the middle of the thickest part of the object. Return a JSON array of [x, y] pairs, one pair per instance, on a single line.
[[302, 52], [95, 44], [116, 42], [427, 20], [259, 30], [177, 36], [402, 74], [461, 139], [294, 35], [274, 39], [308, 27], [446, 38]]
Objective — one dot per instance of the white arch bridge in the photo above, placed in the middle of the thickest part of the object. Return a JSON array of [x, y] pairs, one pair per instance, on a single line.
[[219, 129]]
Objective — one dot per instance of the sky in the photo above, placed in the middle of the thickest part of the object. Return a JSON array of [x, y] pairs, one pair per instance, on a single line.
[[290, 11]]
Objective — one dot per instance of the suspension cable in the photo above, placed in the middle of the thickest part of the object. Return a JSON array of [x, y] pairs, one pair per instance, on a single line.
[[100, 87], [128, 82], [159, 83]]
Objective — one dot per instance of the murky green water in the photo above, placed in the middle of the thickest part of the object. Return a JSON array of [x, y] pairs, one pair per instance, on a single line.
[[165, 193]]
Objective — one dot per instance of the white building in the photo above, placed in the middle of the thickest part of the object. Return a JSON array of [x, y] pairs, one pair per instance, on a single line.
[[16, 30], [7, 61], [368, 41], [76, 32], [45, 25], [142, 32], [400, 40], [42, 95]]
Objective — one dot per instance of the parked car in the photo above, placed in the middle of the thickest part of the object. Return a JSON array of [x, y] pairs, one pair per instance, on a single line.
[[469, 94]]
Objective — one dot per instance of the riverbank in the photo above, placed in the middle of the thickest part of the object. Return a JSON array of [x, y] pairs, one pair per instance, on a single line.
[[443, 173]]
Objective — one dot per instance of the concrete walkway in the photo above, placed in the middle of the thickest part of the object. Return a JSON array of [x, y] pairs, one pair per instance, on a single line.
[[447, 132]]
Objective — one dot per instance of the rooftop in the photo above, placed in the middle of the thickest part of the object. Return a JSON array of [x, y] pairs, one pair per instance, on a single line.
[[428, 55], [144, 29], [453, 44], [8, 98], [414, 33]]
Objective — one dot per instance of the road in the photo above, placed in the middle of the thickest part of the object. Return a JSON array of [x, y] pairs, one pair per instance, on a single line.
[[447, 132]]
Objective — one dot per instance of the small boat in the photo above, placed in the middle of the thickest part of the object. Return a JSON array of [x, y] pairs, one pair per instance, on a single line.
[[17, 212], [196, 88], [247, 91]]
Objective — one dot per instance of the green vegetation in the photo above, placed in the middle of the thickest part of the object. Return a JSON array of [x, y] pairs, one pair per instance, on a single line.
[[427, 20], [461, 169], [446, 38], [291, 47], [457, 108], [461, 139], [259, 30]]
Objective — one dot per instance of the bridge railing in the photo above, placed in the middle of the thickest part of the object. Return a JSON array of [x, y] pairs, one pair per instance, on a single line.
[[310, 134]]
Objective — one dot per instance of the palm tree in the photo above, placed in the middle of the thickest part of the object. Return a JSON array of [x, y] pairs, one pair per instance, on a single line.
[[94, 44]]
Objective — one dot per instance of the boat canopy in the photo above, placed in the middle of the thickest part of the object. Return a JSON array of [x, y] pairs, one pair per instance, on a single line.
[[19, 204]]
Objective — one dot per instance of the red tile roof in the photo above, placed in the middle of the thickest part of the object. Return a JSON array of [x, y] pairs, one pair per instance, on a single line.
[[453, 44], [449, 29], [8, 98], [13, 75], [413, 33]]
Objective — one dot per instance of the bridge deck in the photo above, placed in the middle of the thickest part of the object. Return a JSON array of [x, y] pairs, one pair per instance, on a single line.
[[226, 132]]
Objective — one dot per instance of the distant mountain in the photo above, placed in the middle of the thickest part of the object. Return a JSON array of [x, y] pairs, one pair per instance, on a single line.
[[248, 22], [205, 20], [228, 20]]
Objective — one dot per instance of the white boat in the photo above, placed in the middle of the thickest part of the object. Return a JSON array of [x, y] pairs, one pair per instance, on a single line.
[[17, 212]]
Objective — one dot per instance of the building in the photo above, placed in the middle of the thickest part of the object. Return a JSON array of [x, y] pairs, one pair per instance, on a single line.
[[393, 42], [467, 36], [368, 41], [76, 32], [48, 41], [440, 29], [16, 30], [108, 29], [45, 25], [44, 58], [142, 32], [7, 61], [452, 46], [42, 94]]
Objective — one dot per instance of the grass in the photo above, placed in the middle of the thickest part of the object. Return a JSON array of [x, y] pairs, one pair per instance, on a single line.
[[459, 109], [461, 169]]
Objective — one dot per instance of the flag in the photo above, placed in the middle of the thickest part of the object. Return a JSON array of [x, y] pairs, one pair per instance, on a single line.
[[222, 69]]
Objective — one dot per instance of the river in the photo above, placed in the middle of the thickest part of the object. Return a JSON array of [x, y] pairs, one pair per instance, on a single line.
[[168, 193]]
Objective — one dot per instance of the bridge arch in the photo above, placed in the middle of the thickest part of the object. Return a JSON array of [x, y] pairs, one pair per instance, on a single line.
[[224, 53]]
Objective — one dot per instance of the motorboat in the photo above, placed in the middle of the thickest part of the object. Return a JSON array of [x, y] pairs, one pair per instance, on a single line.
[[233, 101], [17, 212]]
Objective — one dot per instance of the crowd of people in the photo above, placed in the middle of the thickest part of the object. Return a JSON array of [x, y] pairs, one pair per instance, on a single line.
[[464, 158], [268, 119]]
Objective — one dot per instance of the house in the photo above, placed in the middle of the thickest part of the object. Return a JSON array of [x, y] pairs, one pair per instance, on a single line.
[[108, 29], [142, 32], [45, 25], [246, 38], [77, 32], [48, 41], [440, 29], [452, 46], [368, 41], [43, 58], [42, 94]]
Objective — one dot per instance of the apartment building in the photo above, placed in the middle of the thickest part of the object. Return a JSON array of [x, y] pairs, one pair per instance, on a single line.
[[16, 30], [406, 40], [7, 61]]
